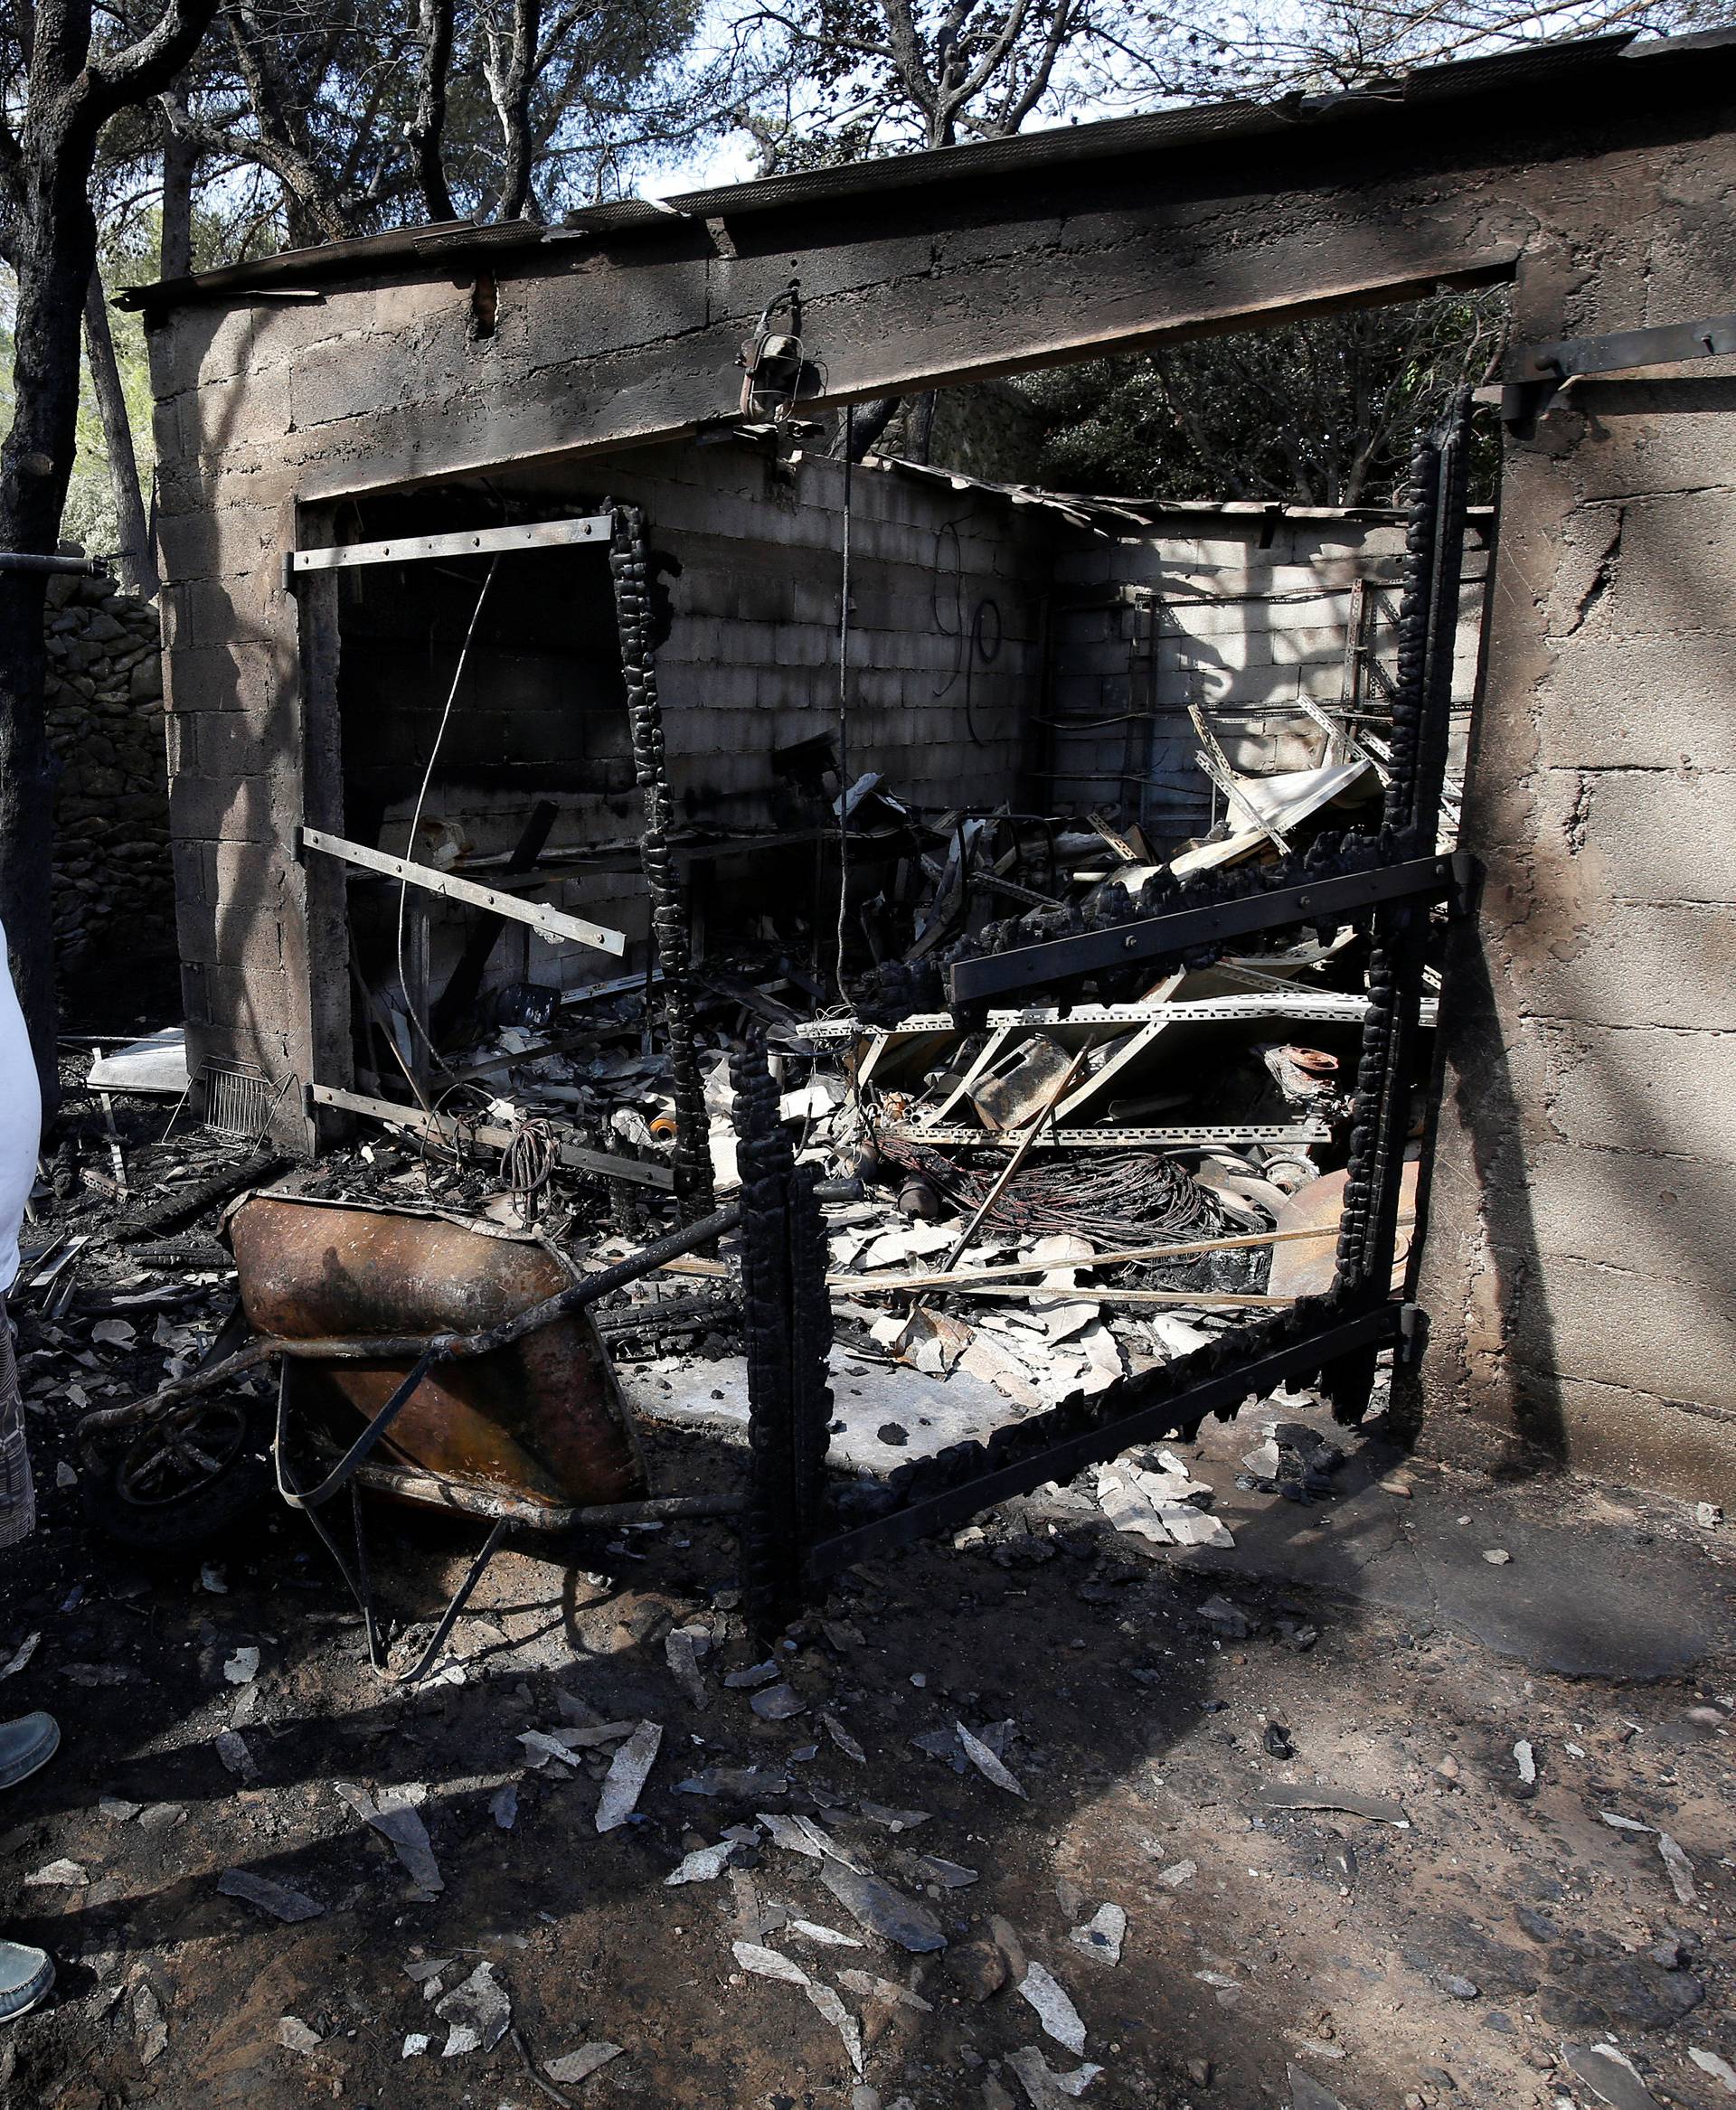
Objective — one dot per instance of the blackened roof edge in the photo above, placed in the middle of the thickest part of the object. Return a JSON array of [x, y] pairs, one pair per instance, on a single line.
[[1192, 126]]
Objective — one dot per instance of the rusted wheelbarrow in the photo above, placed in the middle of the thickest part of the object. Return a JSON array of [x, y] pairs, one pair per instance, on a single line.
[[471, 1358], [483, 1385]]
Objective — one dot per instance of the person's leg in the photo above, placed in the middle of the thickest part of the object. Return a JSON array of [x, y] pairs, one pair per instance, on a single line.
[[25, 1973]]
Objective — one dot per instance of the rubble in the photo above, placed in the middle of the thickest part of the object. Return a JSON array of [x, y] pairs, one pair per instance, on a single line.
[[1054, 2010], [573, 2067], [627, 1772]]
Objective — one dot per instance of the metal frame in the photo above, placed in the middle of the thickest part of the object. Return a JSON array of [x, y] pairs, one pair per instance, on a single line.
[[1316, 1006], [1419, 879], [1334, 1339], [541, 535], [1536, 373], [607, 1164], [550, 923]]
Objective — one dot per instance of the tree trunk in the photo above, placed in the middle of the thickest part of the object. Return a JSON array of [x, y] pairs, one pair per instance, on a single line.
[[428, 127], [57, 257], [871, 420], [512, 93], [137, 559], [180, 160]]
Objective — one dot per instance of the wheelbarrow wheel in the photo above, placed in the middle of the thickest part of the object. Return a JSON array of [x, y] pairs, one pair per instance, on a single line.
[[189, 1479]]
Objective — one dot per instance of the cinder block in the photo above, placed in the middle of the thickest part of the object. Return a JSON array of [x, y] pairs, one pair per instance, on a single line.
[[202, 808], [1645, 1088], [1587, 712], [1613, 1325], [1622, 964], [1674, 571], [1662, 835]]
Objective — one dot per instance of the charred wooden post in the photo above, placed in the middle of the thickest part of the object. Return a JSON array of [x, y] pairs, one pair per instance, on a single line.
[[669, 929], [788, 1326]]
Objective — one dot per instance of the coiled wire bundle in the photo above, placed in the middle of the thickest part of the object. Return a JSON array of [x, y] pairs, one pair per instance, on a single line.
[[1118, 1198]]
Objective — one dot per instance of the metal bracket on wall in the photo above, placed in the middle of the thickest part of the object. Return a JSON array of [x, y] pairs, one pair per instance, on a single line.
[[536, 535], [550, 923], [1536, 373]]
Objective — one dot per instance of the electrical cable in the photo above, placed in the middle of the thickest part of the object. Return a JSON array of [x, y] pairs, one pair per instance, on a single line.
[[422, 797]]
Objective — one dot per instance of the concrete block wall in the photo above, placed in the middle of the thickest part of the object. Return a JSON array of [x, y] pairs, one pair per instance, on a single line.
[[1601, 190], [1576, 1269], [750, 552], [1237, 610]]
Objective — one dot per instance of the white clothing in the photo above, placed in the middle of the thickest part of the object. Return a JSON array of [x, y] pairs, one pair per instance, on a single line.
[[21, 1121]]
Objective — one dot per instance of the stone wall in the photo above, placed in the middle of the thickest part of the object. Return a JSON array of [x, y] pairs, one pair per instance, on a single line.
[[114, 886]]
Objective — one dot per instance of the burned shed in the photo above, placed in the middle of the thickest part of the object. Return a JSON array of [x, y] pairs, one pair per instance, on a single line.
[[389, 463]]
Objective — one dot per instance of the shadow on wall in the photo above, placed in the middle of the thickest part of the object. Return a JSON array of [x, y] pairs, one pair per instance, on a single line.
[[1599, 1311]]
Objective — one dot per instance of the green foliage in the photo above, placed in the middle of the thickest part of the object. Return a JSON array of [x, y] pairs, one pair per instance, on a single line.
[[1318, 412]]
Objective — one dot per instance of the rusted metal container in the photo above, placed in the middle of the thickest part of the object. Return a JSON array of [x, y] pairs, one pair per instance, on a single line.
[[542, 1421]]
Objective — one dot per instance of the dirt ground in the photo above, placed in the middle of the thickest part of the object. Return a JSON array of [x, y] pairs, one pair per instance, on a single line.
[[1458, 1955]]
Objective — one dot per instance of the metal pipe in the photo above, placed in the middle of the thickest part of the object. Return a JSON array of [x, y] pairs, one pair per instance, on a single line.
[[73, 567]]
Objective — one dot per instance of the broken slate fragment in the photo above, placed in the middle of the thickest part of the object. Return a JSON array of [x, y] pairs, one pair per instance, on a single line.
[[756, 1674], [1045, 2088], [867, 1986], [1060, 2018], [1306, 2094], [578, 2066], [1610, 2075], [21, 1655], [477, 2010], [777, 1703], [1224, 1619], [881, 1909], [750, 1782], [842, 1737], [950, 1875], [503, 1806], [986, 1762], [540, 1747], [1678, 1867], [893, 1820], [242, 1667], [704, 1865], [232, 1749], [56, 1874], [681, 1651], [277, 1899], [150, 2032], [1721, 2069], [395, 1817], [1103, 1934], [835, 2011], [768, 1963], [627, 1772], [823, 1938]]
